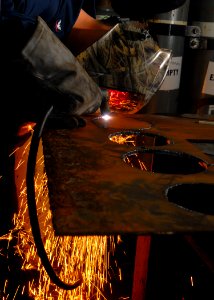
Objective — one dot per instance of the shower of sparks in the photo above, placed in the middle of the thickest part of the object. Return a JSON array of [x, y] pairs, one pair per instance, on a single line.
[[26, 128], [139, 163], [69, 256], [135, 162], [191, 280], [142, 165]]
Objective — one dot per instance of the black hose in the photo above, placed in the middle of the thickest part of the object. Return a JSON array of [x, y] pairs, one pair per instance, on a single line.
[[31, 200]]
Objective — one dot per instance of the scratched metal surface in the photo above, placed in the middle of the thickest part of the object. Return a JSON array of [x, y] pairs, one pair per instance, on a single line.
[[92, 190]]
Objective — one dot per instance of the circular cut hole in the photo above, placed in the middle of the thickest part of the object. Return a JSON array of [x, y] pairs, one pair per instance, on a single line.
[[164, 161], [195, 197], [138, 138]]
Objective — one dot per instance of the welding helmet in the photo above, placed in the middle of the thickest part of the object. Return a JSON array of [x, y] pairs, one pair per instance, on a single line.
[[127, 59], [138, 9]]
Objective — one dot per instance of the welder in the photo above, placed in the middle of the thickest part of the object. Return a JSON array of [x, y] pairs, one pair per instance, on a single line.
[[34, 60], [41, 59], [47, 55]]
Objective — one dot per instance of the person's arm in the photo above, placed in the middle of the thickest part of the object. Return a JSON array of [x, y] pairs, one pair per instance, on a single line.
[[85, 32]]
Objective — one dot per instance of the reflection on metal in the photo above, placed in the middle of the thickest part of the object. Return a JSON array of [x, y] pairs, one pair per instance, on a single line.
[[139, 138], [125, 102], [69, 255], [196, 197], [164, 161]]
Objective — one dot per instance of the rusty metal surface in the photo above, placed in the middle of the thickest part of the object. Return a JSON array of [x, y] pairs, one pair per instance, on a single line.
[[92, 190]]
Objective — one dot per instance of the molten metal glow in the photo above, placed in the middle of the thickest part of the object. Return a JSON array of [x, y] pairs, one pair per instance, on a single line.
[[70, 256], [106, 117], [26, 128], [123, 139]]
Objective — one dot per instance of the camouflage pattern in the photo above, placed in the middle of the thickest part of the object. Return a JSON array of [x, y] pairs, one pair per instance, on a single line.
[[58, 70], [127, 59]]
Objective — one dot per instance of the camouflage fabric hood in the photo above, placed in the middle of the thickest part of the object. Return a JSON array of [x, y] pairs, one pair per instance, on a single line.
[[127, 59]]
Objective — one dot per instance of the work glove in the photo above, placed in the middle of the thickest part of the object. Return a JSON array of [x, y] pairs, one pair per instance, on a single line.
[[42, 72], [127, 59], [57, 70]]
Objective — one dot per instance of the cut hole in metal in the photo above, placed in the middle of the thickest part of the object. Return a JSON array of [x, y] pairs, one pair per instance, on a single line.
[[196, 197], [138, 138], [164, 161]]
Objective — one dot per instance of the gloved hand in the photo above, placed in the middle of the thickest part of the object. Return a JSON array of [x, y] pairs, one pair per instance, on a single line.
[[58, 71], [127, 59], [45, 73]]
